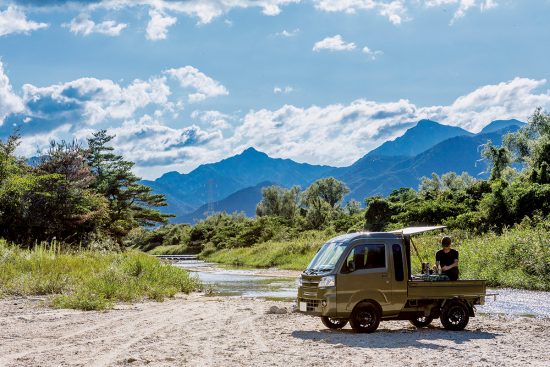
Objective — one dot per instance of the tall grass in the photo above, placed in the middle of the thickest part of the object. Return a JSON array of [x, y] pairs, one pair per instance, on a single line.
[[89, 280], [517, 258]]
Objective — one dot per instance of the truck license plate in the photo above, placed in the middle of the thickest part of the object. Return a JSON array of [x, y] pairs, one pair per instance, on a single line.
[[303, 306]]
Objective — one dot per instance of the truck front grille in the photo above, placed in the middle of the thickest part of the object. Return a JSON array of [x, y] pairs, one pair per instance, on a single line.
[[310, 283], [312, 304]]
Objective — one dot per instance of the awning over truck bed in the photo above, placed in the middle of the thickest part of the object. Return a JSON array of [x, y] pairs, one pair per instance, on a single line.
[[415, 230]]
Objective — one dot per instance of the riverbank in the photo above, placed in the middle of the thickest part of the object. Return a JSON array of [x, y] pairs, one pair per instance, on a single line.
[[89, 280], [197, 330]]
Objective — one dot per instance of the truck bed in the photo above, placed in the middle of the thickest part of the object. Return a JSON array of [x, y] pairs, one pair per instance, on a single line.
[[420, 289]]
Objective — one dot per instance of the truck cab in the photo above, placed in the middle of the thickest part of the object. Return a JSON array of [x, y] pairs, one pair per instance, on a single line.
[[364, 278]]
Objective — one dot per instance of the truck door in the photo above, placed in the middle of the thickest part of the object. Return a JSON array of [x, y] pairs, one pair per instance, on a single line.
[[400, 276], [364, 275]]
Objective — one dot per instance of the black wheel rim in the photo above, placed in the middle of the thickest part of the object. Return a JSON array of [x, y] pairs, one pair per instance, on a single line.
[[456, 315], [366, 319], [422, 319]]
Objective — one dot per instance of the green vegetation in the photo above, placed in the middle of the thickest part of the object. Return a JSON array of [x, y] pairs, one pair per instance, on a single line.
[[291, 254], [88, 280], [80, 197]]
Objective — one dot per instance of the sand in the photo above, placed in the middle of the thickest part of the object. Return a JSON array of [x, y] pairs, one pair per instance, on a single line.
[[198, 330]]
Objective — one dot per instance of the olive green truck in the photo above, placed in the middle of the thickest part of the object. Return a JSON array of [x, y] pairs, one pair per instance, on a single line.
[[366, 277]]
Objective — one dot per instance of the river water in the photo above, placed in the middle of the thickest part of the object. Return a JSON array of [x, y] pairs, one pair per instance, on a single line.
[[274, 284]]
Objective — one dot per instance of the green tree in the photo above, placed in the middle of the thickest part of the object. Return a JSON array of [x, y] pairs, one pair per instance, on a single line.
[[277, 201], [499, 159], [378, 213], [131, 204], [322, 198], [531, 146]]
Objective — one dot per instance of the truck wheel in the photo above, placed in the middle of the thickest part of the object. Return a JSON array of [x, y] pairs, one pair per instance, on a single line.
[[333, 323], [365, 318], [422, 321], [455, 316]]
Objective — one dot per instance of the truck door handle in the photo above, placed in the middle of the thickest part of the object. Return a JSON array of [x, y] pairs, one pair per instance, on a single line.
[[384, 275]]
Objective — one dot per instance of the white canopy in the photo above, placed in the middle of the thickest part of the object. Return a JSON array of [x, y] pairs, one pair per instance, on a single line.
[[415, 230]]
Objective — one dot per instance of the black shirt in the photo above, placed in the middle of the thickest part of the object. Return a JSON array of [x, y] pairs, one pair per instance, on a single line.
[[446, 259]]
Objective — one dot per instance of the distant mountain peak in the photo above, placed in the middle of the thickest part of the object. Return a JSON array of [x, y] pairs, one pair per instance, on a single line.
[[501, 124], [426, 122], [252, 151], [424, 135]]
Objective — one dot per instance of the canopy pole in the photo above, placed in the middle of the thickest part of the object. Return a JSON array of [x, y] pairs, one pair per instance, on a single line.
[[417, 253]]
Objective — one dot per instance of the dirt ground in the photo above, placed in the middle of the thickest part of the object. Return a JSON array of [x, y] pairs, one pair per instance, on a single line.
[[198, 330]]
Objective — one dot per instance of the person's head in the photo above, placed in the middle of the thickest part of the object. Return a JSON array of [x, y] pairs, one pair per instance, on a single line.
[[446, 242]]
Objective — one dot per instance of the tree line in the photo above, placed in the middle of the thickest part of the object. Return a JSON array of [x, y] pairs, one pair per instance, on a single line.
[[74, 194]]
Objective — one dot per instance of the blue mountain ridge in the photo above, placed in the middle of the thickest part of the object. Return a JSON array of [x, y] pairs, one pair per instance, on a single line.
[[234, 184]]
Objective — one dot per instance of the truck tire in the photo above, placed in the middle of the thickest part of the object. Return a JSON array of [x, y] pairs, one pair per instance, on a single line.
[[333, 323], [455, 316], [422, 321], [365, 317]]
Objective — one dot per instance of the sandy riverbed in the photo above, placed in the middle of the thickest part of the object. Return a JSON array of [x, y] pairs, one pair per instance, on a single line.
[[197, 330]]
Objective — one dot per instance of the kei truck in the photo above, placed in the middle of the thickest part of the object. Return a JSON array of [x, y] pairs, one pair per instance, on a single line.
[[364, 278]]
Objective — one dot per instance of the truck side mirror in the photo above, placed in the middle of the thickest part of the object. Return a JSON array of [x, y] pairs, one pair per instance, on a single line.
[[351, 266]]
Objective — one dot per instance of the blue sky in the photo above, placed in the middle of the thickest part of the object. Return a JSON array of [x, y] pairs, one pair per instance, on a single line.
[[182, 83]]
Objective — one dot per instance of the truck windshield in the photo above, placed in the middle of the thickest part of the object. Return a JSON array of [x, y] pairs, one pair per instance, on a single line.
[[326, 258]]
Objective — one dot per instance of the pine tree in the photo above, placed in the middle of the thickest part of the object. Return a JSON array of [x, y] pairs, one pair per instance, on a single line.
[[131, 204]]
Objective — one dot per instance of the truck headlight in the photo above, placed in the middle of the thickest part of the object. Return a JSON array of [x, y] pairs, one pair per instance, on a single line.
[[328, 281]]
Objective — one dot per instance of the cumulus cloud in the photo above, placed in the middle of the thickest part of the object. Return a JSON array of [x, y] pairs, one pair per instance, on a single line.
[[395, 10], [149, 142], [157, 28], [14, 20], [91, 100], [9, 102], [85, 26], [335, 43], [203, 85], [341, 133], [214, 119]]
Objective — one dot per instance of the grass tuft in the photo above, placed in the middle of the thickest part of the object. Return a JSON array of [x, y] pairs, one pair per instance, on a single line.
[[89, 280]]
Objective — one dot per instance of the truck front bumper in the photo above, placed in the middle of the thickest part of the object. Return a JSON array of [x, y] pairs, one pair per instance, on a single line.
[[319, 302]]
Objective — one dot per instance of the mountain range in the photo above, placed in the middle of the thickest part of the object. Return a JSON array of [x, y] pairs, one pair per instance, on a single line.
[[235, 183]]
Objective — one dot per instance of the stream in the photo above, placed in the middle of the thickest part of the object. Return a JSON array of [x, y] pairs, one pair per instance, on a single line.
[[281, 285]]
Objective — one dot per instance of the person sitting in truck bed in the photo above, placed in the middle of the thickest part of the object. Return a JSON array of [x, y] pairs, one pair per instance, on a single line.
[[448, 259]]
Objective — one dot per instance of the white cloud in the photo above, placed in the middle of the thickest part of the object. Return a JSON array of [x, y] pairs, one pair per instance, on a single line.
[[283, 90], [204, 10], [85, 26], [287, 34], [463, 6], [215, 119], [373, 54], [14, 20], [341, 133], [149, 142], [9, 101], [92, 100], [395, 10], [204, 86], [157, 28], [335, 43]]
